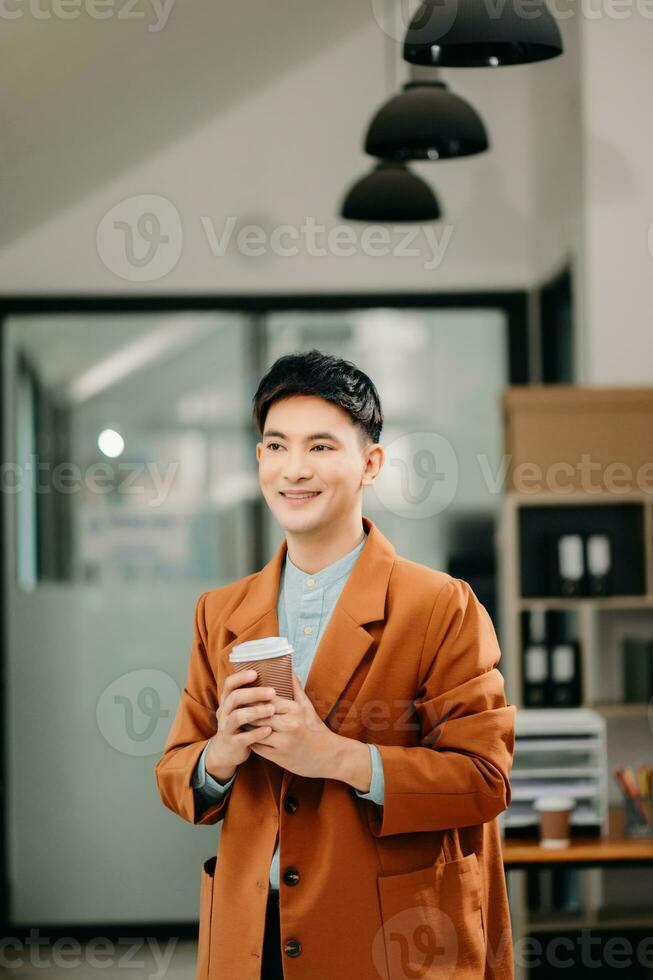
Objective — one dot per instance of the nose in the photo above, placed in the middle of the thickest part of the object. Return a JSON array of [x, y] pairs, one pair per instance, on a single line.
[[297, 466]]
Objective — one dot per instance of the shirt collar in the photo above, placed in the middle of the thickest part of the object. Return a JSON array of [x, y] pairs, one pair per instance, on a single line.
[[297, 578]]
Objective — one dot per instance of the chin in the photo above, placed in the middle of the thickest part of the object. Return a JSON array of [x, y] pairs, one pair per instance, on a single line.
[[298, 521]]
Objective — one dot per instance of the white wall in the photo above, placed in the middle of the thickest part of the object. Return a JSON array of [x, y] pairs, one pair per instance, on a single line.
[[618, 198], [557, 162], [288, 150]]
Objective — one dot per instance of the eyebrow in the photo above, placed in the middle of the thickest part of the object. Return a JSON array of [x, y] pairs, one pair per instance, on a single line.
[[315, 435]]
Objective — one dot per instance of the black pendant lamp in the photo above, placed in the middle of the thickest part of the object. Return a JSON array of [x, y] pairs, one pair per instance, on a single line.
[[425, 122], [391, 192], [471, 34]]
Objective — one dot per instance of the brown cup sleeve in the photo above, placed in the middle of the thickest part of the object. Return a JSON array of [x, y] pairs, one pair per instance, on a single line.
[[274, 672]]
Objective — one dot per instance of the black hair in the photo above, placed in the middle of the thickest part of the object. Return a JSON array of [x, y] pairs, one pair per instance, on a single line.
[[326, 376]]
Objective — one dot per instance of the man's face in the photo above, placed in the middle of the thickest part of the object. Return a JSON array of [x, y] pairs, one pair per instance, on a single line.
[[311, 445]]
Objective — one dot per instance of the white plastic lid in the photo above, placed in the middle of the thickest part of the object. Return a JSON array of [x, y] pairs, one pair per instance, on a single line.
[[554, 803], [263, 649]]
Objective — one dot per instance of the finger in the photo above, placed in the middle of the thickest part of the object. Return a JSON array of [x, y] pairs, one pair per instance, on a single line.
[[249, 686], [233, 683], [243, 684], [277, 723], [238, 678], [251, 713], [265, 739], [248, 696], [255, 735], [299, 693], [264, 722], [282, 706]]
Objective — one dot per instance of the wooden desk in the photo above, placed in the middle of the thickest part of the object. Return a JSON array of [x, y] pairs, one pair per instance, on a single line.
[[591, 852], [591, 915], [615, 850]]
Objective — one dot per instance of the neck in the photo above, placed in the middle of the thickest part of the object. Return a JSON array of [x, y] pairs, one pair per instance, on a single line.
[[313, 550]]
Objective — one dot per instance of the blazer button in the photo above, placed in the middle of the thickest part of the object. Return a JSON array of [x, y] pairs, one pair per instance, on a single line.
[[291, 876], [292, 947], [290, 804]]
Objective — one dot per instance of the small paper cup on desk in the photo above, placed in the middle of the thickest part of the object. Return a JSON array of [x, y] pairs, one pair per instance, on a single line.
[[271, 658], [555, 817]]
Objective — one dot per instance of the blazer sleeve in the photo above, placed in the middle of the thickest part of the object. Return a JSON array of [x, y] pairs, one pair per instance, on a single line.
[[459, 773], [193, 724]]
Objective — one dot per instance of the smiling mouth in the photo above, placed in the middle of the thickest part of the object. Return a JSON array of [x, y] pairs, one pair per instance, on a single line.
[[300, 496]]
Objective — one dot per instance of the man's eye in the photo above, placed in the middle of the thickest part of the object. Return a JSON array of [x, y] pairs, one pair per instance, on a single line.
[[277, 445]]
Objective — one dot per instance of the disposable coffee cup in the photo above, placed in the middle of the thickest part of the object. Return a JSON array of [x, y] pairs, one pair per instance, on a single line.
[[554, 813], [271, 658]]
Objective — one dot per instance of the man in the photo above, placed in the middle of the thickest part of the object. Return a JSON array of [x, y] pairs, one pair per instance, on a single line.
[[360, 836]]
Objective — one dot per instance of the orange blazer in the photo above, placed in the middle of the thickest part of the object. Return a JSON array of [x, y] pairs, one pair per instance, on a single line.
[[411, 889]]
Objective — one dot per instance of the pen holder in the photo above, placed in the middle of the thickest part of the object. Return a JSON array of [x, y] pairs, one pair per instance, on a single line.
[[635, 824]]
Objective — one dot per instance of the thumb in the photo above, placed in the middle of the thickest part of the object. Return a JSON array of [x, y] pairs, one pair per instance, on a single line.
[[298, 691]]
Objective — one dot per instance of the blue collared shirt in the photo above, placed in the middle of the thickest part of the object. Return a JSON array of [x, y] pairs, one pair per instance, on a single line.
[[304, 606]]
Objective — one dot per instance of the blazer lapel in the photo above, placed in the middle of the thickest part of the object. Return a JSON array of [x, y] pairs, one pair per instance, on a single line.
[[345, 640]]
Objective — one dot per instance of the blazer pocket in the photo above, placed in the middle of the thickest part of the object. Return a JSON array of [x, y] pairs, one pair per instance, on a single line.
[[206, 907], [432, 922]]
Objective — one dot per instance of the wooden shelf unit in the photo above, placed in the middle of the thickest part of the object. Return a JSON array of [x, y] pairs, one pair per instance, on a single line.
[[546, 425], [512, 603]]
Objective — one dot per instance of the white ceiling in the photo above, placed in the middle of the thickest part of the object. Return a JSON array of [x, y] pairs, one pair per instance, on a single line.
[[83, 100]]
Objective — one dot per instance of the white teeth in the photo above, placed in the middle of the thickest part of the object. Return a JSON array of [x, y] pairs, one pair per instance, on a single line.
[[300, 496]]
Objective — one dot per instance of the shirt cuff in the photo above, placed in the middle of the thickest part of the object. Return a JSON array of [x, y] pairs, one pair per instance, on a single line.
[[203, 781], [376, 790]]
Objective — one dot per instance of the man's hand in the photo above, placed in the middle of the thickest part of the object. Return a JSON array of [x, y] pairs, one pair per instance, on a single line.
[[300, 741], [240, 705]]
